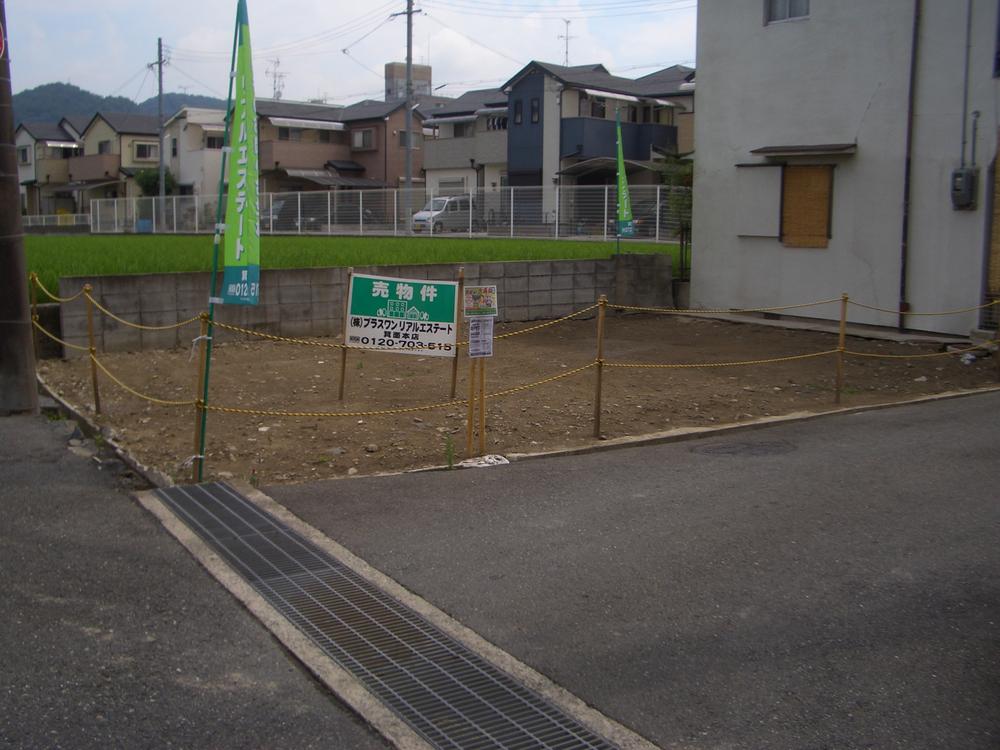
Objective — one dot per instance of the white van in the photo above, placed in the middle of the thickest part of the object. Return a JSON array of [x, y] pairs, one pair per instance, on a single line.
[[447, 213]]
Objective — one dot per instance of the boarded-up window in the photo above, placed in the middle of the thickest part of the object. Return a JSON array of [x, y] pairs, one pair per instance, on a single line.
[[806, 193]]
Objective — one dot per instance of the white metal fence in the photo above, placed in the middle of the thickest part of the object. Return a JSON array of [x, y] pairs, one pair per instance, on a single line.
[[586, 212], [55, 220]]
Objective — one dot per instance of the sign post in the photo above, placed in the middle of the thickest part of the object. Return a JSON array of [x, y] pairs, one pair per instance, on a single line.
[[481, 309], [241, 280]]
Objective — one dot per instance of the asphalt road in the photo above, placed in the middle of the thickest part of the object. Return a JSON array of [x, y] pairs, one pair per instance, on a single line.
[[825, 584], [111, 635]]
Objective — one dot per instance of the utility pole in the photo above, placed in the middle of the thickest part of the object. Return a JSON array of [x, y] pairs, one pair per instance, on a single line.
[[408, 184], [159, 109], [18, 392], [408, 115]]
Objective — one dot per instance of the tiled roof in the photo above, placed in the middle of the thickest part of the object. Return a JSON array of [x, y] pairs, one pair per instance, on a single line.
[[661, 83], [470, 101], [46, 131], [130, 123], [298, 110]]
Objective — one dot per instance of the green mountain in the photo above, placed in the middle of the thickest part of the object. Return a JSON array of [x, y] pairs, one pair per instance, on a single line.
[[51, 102]]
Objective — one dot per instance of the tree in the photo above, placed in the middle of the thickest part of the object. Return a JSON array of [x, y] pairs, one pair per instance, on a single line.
[[148, 181], [678, 176]]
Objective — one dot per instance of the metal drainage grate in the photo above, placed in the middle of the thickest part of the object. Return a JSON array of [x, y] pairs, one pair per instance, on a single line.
[[444, 691]]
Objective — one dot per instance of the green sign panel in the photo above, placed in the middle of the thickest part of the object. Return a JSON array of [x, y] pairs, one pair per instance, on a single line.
[[625, 227], [241, 277], [415, 316]]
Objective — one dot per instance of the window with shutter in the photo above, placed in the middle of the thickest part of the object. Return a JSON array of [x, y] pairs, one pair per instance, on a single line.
[[806, 200]]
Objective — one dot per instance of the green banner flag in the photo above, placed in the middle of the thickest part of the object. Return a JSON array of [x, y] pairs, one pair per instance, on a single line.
[[241, 279], [624, 225]]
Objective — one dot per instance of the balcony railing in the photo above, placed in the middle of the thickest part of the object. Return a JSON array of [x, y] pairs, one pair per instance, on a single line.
[[296, 155], [94, 167], [589, 137], [489, 147], [52, 171]]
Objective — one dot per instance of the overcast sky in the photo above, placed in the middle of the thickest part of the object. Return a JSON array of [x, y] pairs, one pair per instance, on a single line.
[[104, 45]]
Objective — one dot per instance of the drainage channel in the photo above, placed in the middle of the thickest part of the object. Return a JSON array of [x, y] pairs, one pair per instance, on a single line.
[[447, 693]]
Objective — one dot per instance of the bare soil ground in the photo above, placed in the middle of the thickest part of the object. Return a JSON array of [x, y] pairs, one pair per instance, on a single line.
[[263, 375]]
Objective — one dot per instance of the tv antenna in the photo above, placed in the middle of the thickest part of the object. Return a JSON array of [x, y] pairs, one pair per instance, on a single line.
[[567, 37], [278, 78]]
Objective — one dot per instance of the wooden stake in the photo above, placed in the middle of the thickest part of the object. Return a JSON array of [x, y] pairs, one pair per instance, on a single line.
[[199, 404], [459, 306], [471, 416], [87, 288], [602, 304], [482, 407], [34, 317], [841, 346], [343, 351]]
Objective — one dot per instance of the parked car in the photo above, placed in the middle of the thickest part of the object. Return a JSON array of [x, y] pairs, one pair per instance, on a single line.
[[285, 217], [447, 212]]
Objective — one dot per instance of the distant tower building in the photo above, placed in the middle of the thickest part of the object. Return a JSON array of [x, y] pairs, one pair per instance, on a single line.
[[395, 80]]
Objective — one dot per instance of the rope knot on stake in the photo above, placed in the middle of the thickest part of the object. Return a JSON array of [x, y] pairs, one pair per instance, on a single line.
[[194, 345]]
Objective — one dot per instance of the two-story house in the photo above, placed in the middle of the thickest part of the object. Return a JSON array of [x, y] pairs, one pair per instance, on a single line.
[[561, 126], [308, 146], [194, 138], [378, 140], [114, 147], [846, 147], [43, 154], [468, 149]]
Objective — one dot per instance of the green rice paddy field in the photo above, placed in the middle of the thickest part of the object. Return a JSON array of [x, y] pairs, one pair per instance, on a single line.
[[53, 256]]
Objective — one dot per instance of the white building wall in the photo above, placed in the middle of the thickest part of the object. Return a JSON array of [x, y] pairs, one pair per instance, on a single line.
[[948, 247], [24, 171], [839, 76], [435, 177]]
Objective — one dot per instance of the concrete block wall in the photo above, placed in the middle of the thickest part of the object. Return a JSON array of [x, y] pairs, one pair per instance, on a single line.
[[309, 302]]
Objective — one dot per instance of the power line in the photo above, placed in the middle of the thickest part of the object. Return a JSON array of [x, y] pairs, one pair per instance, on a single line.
[[296, 45], [506, 11], [474, 41], [204, 85]]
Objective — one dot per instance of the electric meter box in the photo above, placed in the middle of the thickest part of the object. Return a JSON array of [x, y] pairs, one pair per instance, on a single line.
[[964, 181]]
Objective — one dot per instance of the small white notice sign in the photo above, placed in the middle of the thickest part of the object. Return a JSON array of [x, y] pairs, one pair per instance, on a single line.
[[481, 337]]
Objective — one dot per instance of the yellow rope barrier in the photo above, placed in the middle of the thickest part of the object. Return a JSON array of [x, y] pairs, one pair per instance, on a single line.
[[36, 324], [319, 414], [560, 376], [685, 311], [876, 355], [531, 329], [721, 364], [144, 397], [38, 282], [311, 342], [141, 327], [387, 412], [943, 312], [284, 339]]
